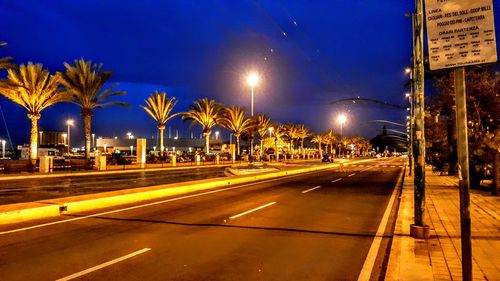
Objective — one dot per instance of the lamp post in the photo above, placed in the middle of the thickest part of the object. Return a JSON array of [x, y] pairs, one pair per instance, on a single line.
[[93, 141], [69, 123], [252, 80], [216, 135], [341, 119]]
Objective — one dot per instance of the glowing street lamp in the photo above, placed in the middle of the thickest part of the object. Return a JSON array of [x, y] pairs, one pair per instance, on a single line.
[[216, 135], [129, 134], [252, 80], [70, 123]]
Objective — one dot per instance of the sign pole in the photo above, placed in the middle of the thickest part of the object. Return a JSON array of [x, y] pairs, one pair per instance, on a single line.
[[419, 229], [463, 162]]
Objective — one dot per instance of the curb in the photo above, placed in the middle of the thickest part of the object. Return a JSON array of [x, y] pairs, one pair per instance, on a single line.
[[21, 212]]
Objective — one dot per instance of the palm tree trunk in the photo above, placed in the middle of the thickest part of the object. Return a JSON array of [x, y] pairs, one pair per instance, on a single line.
[[34, 138], [319, 149], [261, 146], [237, 145], [207, 143], [87, 119], [161, 129]]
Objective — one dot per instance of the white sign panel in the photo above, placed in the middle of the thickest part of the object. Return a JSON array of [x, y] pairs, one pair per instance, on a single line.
[[460, 32]]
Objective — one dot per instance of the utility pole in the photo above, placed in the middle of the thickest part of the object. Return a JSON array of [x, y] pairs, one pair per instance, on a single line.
[[463, 172], [419, 229]]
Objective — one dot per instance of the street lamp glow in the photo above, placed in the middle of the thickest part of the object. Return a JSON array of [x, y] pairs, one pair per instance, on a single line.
[[407, 95], [341, 119], [252, 79], [407, 70]]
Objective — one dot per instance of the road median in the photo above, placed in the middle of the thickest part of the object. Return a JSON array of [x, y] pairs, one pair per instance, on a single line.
[[21, 212]]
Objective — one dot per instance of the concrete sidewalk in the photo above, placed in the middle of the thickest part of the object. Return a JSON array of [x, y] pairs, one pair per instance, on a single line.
[[439, 257]]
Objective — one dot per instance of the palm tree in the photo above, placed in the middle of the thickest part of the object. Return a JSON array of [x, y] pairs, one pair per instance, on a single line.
[[319, 139], [331, 138], [35, 89], [279, 131], [263, 125], [207, 113], [292, 131], [84, 81], [5, 62], [302, 134], [233, 118], [159, 107]]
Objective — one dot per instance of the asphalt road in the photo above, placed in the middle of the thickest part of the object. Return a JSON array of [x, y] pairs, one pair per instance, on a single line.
[[28, 190], [315, 227]]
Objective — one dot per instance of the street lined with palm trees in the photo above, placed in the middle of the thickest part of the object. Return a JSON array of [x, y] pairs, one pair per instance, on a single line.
[[317, 226]]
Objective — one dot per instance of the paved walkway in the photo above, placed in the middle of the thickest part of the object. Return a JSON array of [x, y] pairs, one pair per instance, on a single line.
[[439, 257]]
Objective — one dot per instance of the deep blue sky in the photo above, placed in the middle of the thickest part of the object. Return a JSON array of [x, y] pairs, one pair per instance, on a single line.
[[307, 52]]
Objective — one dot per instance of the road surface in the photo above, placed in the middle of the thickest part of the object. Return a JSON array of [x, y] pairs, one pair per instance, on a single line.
[[319, 226]]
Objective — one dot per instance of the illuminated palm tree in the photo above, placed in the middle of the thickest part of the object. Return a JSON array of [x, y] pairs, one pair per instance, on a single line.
[[233, 118], [302, 134], [85, 82], [263, 125], [207, 113], [331, 139], [159, 107], [293, 133], [35, 89], [279, 132], [319, 139], [5, 62]]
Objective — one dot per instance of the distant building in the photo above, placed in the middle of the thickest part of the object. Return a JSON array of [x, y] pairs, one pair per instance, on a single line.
[[179, 144], [52, 138], [389, 142]]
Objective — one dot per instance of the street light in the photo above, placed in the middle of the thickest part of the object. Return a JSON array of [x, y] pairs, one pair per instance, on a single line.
[[341, 119], [252, 80], [129, 134], [93, 140], [216, 135], [70, 123]]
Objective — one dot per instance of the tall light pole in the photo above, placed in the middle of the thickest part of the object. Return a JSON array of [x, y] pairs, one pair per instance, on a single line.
[[93, 141], [65, 136], [252, 80], [69, 123], [341, 119]]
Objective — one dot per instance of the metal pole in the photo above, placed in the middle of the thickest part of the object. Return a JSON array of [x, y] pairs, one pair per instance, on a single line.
[[340, 148], [252, 102], [419, 229], [68, 139], [463, 162]]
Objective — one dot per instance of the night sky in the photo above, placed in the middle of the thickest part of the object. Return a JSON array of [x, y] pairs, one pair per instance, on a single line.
[[308, 53]]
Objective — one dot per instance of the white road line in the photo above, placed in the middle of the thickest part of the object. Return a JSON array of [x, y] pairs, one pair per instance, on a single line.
[[351, 175], [367, 269], [339, 179], [252, 210], [103, 265], [142, 206], [311, 189]]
